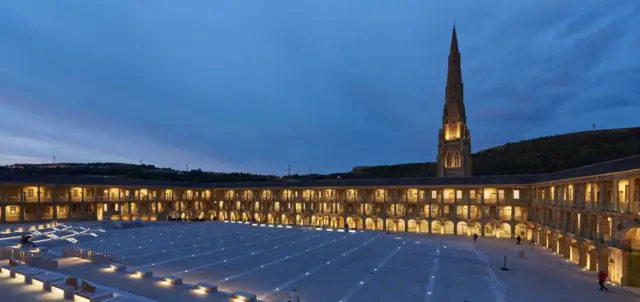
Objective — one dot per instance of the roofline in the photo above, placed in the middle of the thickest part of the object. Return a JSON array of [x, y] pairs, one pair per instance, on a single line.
[[629, 164]]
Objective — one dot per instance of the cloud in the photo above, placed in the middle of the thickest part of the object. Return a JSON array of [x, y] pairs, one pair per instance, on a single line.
[[254, 87]]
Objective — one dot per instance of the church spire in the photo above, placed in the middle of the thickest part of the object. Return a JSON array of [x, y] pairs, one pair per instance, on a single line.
[[454, 146], [454, 95]]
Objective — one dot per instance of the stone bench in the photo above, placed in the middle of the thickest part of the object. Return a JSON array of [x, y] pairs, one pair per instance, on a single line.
[[90, 293], [27, 274], [65, 289], [117, 267], [11, 268], [206, 287], [45, 280], [244, 296], [173, 280], [143, 272]]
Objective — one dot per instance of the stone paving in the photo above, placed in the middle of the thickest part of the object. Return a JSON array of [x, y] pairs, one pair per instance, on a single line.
[[334, 265]]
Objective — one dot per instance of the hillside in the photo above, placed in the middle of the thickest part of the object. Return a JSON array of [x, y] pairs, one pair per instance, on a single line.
[[535, 156]]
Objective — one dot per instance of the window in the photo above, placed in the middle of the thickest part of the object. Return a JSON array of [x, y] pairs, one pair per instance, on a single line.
[[46, 209], [516, 194], [30, 193], [472, 194], [434, 194], [377, 194], [458, 194], [456, 159], [448, 161], [12, 210], [74, 193]]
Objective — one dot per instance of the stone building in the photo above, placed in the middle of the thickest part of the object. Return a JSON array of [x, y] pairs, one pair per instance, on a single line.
[[588, 215]]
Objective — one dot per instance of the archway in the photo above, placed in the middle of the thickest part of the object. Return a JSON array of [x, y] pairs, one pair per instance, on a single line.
[[234, 216], [370, 224], [462, 228], [424, 226], [201, 216], [631, 242], [490, 229], [448, 228], [400, 226], [379, 224], [412, 226], [474, 227], [350, 223], [504, 231], [284, 219], [559, 245], [592, 258], [339, 222], [299, 219], [270, 218], [436, 227], [391, 225], [522, 231], [574, 252]]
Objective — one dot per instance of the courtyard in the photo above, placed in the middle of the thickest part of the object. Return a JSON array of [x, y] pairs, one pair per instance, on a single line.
[[335, 265]]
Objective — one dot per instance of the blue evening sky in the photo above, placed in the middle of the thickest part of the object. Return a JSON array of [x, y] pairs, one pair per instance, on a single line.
[[319, 84]]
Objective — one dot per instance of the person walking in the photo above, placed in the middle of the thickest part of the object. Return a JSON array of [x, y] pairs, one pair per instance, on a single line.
[[475, 237], [602, 277], [518, 239]]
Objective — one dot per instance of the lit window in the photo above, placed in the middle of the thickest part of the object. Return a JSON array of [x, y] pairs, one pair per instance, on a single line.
[[74, 193], [12, 210], [516, 194], [434, 194], [459, 194], [472, 194], [30, 193]]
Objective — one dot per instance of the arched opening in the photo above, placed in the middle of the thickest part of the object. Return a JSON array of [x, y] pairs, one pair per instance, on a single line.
[[412, 226], [233, 216], [299, 219], [380, 224], [257, 217], [350, 223], [370, 224], [436, 227], [631, 242], [574, 253], [456, 159], [462, 229], [270, 218], [424, 226], [592, 258], [391, 225], [559, 246], [201, 216], [523, 231], [504, 231], [548, 240], [400, 227], [490, 229], [474, 228], [447, 228]]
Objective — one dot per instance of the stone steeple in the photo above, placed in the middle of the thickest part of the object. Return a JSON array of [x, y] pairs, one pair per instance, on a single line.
[[454, 144]]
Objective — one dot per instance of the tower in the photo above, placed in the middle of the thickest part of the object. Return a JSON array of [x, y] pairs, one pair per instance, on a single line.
[[454, 141]]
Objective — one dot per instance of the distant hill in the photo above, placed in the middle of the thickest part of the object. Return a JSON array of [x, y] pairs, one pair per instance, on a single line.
[[535, 156]]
